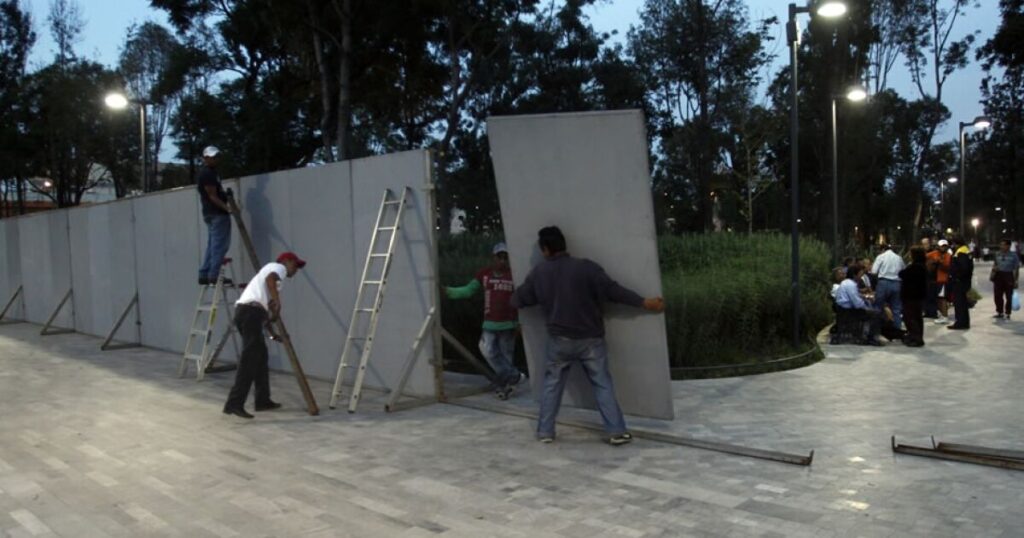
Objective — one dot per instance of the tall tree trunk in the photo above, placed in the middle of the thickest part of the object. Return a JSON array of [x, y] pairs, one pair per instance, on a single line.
[[325, 86], [344, 119]]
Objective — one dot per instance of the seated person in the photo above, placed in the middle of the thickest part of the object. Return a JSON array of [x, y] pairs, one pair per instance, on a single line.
[[849, 300]]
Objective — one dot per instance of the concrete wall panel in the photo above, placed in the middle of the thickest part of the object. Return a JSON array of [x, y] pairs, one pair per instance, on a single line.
[[103, 267], [45, 266], [167, 248], [588, 174], [10, 267], [408, 296]]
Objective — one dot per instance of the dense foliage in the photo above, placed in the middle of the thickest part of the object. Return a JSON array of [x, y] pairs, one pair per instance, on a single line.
[[727, 295]]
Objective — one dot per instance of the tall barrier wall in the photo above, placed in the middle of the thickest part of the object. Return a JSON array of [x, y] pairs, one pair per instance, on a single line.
[[45, 254], [153, 244]]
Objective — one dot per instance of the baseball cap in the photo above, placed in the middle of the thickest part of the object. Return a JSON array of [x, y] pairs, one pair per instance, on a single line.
[[210, 151], [943, 243], [500, 247], [285, 256]]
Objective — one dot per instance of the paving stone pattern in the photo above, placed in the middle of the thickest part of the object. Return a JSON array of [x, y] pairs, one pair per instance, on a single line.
[[97, 444]]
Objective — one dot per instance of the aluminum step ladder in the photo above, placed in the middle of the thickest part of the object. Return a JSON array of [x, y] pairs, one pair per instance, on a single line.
[[204, 321], [373, 282]]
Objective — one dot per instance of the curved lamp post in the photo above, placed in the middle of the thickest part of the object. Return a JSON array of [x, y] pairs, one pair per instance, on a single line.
[[854, 94], [828, 9], [118, 101], [980, 123]]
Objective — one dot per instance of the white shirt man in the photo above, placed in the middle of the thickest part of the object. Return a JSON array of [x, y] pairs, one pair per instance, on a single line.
[[258, 304], [888, 265]]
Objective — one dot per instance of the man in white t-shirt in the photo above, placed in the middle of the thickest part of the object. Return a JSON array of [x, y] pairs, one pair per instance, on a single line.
[[259, 304]]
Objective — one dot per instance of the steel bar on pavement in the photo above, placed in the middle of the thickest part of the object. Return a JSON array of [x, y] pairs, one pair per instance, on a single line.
[[1017, 465], [465, 353], [667, 438], [983, 451]]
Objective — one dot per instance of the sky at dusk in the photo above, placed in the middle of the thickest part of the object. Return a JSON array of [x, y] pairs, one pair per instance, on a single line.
[[108, 20]]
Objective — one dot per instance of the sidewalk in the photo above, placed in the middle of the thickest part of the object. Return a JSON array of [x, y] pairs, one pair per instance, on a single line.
[[114, 444]]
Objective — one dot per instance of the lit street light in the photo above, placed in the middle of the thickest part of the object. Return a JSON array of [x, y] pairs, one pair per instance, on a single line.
[[854, 94], [979, 123], [118, 101], [974, 223], [828, 9]]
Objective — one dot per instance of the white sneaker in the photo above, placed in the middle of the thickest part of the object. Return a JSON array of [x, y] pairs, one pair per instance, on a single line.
[[941, 320]]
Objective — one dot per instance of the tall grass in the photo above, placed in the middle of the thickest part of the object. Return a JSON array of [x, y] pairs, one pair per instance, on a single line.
[[727, 295]]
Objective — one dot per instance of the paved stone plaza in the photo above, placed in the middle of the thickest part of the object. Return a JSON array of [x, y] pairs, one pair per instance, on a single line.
[[114, 444]]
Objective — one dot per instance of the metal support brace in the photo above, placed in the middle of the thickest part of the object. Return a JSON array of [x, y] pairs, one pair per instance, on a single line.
[[47, 331], [17, 293], [106, 346], [410, 363], [726, 448]]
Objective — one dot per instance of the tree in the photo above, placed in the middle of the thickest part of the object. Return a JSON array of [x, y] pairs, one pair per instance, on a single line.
[[145, 60], [16, 39], [702, 58]]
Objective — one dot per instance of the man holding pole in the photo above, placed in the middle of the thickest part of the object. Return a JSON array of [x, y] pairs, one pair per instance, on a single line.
[[258, 306], [216, 215]]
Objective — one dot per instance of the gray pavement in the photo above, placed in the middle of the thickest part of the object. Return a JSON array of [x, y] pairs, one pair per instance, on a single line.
[[114, 444]]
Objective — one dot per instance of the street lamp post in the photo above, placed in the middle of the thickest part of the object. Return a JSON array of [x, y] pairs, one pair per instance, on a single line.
[[118, 101], [942, 198], [829, 9], [979, 123], [854, 94]]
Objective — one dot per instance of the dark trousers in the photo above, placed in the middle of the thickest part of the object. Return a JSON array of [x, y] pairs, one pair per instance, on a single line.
[[963, 314], [1003, 283], [931, 301], [914, 321], [254, 366]]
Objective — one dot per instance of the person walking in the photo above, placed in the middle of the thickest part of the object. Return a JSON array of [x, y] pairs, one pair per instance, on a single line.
[[571, 291], [217, 216], [1004, 277], [887, 267], [961, 273], [939, 261], [258, 306], [498, 339], [913, 291]]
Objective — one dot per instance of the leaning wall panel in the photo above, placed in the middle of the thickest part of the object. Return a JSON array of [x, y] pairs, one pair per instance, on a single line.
[[588, 174], [45, 266]]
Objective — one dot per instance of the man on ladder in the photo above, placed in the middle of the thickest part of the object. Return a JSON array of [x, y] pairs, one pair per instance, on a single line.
[[259, 304], [216, 215]]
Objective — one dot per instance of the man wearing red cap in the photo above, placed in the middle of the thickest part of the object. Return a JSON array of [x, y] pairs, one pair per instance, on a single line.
[[259, 304]]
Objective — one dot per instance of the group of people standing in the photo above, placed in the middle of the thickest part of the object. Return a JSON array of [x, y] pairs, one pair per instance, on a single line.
[[893, 292]]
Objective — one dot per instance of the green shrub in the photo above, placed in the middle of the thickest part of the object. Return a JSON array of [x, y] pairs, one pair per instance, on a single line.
[[727, 295]]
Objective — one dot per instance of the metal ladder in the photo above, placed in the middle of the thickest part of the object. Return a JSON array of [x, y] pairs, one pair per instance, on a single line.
[[203, 322], [381, 261]]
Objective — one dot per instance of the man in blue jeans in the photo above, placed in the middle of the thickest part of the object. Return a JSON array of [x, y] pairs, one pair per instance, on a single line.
[[571, 291], [216, 215]]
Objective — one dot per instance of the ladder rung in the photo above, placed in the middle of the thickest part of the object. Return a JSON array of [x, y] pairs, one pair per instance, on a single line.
[[379, 255], [393, 202], [193, 357], [199, 332], [357, 338], [372, 282], [364, 310], [205, 308], [387, 228]]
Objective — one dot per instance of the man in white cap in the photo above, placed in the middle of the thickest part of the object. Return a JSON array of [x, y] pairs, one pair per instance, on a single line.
[[501, 323], [216, 215], [939, 260]]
